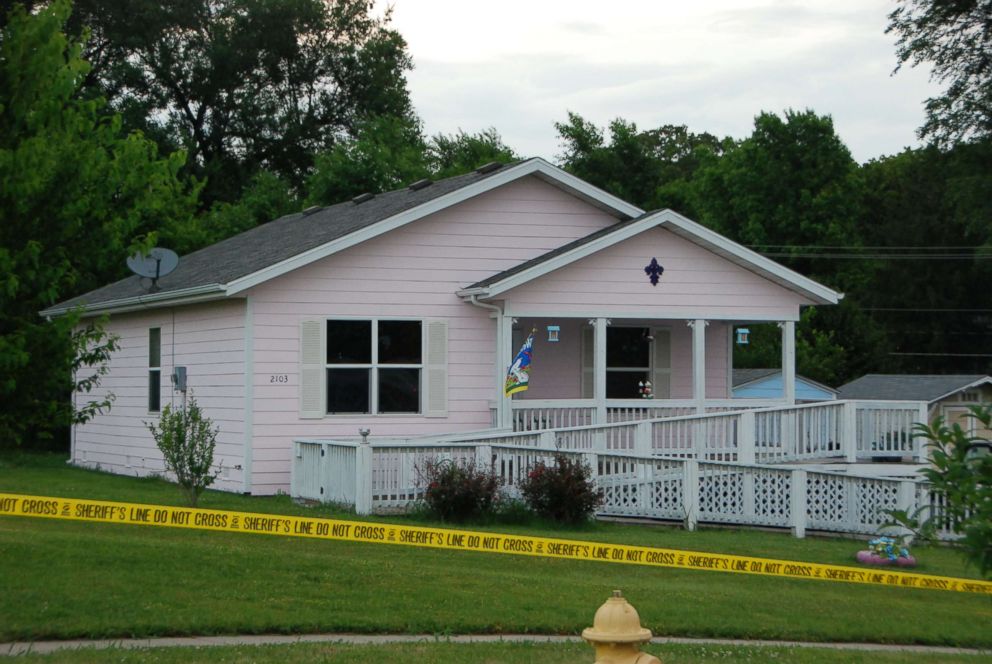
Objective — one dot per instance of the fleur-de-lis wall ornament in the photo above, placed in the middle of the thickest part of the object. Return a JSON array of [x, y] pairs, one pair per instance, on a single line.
[[654, 270]]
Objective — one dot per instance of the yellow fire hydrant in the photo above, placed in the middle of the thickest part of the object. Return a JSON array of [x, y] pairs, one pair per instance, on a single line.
[[616, 634]]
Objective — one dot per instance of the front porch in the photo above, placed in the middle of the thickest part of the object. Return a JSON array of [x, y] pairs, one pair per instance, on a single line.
[[594, 371]]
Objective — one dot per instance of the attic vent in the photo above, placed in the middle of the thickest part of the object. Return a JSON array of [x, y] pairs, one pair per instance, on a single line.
[[489, 168], [420, 184], [310, 210], [361, 198]]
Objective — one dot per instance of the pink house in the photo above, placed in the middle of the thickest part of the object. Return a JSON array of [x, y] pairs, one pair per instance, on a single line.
[[400, 312]]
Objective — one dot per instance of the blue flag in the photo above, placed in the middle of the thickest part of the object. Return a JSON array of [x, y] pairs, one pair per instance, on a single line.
[[518, 375]]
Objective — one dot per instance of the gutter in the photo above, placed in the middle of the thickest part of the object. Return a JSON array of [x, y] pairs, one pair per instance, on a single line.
[[148, 300]]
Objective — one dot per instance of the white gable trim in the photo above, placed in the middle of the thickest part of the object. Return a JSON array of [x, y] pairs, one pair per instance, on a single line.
[[987, 380], [146, 301], [536, 166], [685, 228]]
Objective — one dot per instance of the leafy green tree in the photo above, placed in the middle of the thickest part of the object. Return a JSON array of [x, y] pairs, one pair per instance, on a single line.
[[955, 38], [961, 474], [386, 153], [244, 85], [648, 168], [75, 191], [926, 199], [454, 154], [390, 152]]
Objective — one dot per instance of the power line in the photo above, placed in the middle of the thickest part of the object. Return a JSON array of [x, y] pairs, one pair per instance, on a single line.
[[872, 247], [930, 311], [923, 257], [945, 354]]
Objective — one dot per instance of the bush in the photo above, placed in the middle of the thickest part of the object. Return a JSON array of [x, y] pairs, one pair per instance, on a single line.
[[459, 492], [187, 439], [564, 492]]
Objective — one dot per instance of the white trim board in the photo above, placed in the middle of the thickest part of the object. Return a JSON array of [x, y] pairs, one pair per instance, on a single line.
[[684, 228]]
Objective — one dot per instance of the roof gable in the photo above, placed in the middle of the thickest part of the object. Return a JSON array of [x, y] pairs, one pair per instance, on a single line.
[[671, 221], [910, 387], [233, 265]]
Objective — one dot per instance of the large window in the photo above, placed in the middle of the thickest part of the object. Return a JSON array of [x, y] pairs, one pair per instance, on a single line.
[[154, 369], [374, 366]]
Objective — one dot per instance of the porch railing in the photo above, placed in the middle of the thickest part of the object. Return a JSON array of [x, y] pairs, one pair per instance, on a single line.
[[387, 475]]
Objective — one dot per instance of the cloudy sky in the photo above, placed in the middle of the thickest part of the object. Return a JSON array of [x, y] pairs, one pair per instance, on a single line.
[[519, 66]]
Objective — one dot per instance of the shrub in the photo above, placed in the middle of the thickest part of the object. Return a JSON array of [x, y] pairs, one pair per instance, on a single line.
[[187, 439], [564, 492], [459, 491]]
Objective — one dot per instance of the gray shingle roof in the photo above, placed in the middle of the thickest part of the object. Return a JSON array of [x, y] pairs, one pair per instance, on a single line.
[[906, 387], [742, 376], [278, 240]]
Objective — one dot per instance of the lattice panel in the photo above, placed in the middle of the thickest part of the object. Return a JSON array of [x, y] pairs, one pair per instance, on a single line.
[[873, 499], [771, 497], [622, 498], [826, 503], [721, 494], [667, 499]]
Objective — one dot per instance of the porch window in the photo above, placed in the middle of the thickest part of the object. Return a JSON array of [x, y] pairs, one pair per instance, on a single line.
[[374, 366]]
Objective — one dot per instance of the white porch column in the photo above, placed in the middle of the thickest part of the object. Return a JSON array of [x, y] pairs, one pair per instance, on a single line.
[[599, 368], [504, 353], [699, 363], [788, 361]]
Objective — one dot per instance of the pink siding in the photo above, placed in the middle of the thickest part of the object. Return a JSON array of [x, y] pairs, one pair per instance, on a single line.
[[413, 271], [696, 283], [208, 339]]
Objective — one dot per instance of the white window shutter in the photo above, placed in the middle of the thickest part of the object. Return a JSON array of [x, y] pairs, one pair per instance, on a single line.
[[436, 368], [312, 370]]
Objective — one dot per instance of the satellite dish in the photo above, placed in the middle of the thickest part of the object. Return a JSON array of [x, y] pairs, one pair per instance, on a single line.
[[154, 265]]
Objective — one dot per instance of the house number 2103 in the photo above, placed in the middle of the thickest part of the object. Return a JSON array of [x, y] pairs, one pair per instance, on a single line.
[[281, 378]]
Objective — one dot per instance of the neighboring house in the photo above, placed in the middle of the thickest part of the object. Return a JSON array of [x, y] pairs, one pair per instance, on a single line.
[[767, 384], [400, 313], [947, 396]]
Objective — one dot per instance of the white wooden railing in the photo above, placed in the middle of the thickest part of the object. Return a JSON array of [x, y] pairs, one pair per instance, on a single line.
[[387, 475]]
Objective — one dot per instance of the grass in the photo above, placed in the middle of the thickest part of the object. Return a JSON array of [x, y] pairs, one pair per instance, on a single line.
[[66, 579], [489, 653]]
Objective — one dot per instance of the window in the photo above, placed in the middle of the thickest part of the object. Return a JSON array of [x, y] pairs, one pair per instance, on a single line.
[[374, 366], [633, 355], [154, 370]]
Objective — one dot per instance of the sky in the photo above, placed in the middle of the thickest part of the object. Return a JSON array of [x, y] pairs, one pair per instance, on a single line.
[[520, 66]]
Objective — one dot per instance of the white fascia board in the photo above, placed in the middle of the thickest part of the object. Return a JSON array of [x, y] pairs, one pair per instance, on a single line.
[[149, 300], [754, 260], [505, 176], [978, 383], [617, 313]]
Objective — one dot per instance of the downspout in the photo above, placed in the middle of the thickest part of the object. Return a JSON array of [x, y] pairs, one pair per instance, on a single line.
[[473, 300]]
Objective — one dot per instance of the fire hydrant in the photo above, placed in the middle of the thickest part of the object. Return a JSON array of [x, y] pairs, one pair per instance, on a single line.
[[616, 634]]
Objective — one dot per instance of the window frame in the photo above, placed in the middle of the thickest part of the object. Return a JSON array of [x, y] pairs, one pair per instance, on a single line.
[[154, 370], [374, 365], [586, 348]]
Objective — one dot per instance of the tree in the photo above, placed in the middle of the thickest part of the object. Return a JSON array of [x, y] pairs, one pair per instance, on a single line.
[[928, 199], [961, 475], [390, 152], [647, 168], [76, 190], [955, 38], [244, 85]]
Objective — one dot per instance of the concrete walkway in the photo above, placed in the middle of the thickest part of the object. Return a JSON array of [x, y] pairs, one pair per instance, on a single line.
[[45, 647]]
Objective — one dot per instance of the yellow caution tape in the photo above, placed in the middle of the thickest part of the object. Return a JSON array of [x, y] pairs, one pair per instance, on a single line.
[[465, 540]]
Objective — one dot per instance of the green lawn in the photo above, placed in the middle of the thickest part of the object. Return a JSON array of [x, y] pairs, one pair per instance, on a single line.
[[66, 579], [504, 653]]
